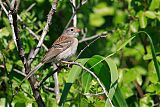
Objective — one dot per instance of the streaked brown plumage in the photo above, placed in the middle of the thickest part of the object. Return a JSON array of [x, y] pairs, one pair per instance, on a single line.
[[63, 48]]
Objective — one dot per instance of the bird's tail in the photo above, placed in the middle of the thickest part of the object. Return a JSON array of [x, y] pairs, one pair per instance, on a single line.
[[32, 72]]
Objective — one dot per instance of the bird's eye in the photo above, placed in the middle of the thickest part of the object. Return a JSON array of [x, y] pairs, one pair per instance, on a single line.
[[71, 29]]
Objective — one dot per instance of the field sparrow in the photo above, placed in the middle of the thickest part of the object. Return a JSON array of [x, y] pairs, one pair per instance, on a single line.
[[63, 48]]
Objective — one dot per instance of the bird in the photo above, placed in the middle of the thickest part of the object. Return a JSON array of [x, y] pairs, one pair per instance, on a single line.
[[62, 49]]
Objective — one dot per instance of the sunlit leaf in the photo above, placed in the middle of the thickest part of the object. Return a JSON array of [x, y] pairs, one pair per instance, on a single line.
[[74, 73], [96, 20], [103, 10], [150, 14], [154, 4], [142, 19], [4, 32], [134, 26]]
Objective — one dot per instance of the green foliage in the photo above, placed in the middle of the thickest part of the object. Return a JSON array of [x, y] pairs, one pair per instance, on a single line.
[[127, 62]]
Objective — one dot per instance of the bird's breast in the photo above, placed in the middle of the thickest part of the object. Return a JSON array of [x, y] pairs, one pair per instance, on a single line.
[[69, 52]]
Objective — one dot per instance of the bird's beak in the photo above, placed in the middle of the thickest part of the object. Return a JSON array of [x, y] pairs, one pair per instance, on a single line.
[[78, 30]]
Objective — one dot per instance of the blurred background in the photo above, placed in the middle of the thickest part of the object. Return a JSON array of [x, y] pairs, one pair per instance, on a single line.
[[121, 19]]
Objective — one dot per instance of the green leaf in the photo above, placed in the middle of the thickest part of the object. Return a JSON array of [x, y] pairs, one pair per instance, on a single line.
[[152, 75], [11, 45], [147, 56], [156, 64], [154, 88], [84, 103], [146, 101], [114, 78], [73, 74], [3, 102], [86, 79], [119, 98], [134, 26], [103, 10], [150, 14], [96, 20], [109, 77], [120, 17], [142, 19], [101, 70], [125, 43], [9, 66], [75, 71], [20, 105], [154, 5], [4, 32], [65, 93]]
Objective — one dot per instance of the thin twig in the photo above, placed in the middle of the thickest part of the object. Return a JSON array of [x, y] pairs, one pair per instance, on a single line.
[[92, 37], [103, 59], [75, 11], [37, 37], [45, 78], [104, 34], [13, 21], [73, 2], [29, 30], [83, 2], [91, 94], [48, 75], [70, 19], [49, 88], [4, 9], [56, 83], [86, 47], [19, 72], [30, 7], [83, 32], [94, 75], [139, 89], [56, 87], [45, 30]]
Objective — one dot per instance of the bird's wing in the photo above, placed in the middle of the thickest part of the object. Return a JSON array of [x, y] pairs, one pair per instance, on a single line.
[[61, 44]]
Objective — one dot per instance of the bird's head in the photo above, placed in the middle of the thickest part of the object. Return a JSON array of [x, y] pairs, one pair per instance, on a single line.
[[72, 32]]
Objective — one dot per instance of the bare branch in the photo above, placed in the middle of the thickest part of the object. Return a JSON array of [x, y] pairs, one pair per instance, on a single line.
[[19, 72], [83, 32], [86, 47], [49, 88], [74, 13], [73, 2], [45, 30], [46, 77], [30, 7], [37, 37], [29, 30], [91, 94], [139, 89], [13, 4], [56, 87], [94, 75], [13, 21], [83, 2], [70, 19], [4, 9], [93, 37]]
